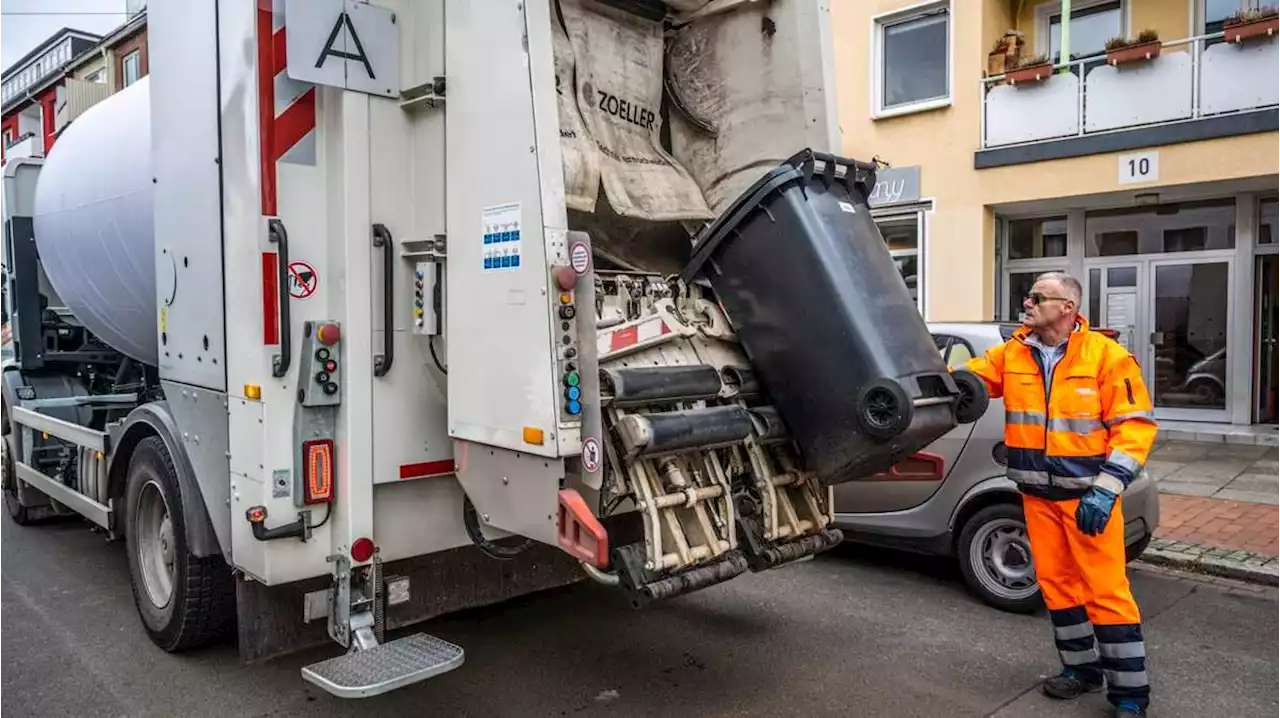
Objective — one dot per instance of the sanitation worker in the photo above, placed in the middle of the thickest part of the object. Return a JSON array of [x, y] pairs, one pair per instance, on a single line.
[[1078, 427]]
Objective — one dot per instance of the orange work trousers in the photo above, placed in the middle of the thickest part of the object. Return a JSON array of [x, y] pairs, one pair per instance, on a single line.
[[1087, 593]]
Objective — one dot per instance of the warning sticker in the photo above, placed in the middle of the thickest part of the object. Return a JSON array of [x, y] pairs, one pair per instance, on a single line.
[[303, 280], [580, 258], [501, 237], [591, 455]]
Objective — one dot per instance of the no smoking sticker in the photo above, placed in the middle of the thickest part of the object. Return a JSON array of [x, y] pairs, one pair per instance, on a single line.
[[303, 280], [580, 258], [591, 455]]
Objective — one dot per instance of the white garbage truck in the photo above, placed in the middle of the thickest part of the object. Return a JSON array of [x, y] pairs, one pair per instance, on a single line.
[[352, 313]]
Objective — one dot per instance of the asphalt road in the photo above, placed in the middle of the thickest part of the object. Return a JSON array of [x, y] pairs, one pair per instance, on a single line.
[[860, 633]]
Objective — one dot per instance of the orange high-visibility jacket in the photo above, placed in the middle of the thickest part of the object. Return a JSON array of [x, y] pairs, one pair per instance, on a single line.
[[1094, 425]]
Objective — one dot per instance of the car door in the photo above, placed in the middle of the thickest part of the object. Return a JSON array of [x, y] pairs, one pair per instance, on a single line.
[[915, 479]]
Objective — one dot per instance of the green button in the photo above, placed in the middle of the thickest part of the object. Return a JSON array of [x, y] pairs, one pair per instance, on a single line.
[[571, 378]]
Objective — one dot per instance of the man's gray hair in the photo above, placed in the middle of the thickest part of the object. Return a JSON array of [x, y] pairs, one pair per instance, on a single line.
[[1074, 290]]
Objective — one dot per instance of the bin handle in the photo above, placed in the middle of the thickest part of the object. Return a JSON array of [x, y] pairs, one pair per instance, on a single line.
[[859, 173]]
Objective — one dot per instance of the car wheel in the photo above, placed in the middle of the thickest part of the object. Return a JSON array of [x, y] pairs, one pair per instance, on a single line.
[[1137, 548], [995, 557], [12, 504], [184, 600]]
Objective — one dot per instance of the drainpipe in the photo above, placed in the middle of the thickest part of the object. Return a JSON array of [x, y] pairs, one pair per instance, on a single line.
[[1066, 36]]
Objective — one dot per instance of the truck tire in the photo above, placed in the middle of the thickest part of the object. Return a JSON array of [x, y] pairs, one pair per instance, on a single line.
[[184, 601], [995, 559], [12, 504]]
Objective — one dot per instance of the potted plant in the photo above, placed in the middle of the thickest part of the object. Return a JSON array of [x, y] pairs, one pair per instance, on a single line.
[[1249, 24], [1005, 53], [1033, 69], [1122, 50]]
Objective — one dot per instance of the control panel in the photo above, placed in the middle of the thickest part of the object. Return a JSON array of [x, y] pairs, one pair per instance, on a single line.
[[320, 371], [566, 278], [426, 298]]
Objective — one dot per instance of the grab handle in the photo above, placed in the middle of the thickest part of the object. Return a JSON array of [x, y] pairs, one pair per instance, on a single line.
[[382, 362], [277, 235]]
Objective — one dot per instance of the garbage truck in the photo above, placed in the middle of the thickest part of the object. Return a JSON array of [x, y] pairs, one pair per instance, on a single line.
[[352, 314]]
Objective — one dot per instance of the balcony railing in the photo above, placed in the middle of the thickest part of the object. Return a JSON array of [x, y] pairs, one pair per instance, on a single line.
[[1192, 79]]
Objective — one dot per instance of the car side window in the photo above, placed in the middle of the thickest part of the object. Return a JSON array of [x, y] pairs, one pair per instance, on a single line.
[[955, 351]]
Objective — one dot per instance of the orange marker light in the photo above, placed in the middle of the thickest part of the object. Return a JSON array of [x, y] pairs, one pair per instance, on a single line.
[[533, 435], [252, 391]]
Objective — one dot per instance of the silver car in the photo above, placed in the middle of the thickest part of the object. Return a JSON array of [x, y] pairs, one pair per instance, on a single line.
[[953, 498]]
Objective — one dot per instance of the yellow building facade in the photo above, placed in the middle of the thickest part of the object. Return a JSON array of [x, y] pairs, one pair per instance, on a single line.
[[1152, 178]]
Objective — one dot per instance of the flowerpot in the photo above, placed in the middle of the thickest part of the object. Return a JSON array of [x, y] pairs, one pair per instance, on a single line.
[[1266, 27], [1031, 73], [996, 62], [1134, 53]]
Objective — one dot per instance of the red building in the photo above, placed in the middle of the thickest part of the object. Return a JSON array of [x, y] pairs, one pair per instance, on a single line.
[[31, 89]]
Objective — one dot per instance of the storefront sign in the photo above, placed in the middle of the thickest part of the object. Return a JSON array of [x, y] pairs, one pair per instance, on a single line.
[[896, 185]]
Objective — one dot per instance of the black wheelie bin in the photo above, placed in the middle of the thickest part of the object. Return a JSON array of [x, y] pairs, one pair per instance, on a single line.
[[809, 286]]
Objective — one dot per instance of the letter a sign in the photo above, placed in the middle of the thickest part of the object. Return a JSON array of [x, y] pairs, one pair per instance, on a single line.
[[349, 44]]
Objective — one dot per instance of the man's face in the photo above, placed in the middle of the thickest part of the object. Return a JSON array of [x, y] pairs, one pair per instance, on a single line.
[[1046, 304]]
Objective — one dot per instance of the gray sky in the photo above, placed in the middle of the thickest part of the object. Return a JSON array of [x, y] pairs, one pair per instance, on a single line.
[[19, 32]]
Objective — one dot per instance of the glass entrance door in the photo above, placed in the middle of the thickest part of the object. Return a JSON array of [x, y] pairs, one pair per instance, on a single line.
[[1188, 332], [1266, 286]]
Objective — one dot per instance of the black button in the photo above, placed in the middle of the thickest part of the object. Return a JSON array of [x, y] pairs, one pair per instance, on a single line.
[[331, 388], [570, 353], [568, 312], [565, 339], [322, 377], [322, 354]]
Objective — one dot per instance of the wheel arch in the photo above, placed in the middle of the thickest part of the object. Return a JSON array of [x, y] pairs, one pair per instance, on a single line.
[[155, 419], [988, 492]]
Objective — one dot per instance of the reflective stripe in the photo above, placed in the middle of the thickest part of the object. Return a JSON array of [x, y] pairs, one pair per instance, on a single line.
[[1123, 650], [1075, 482], [1080, 630], [1123, 460], [1024, 418], [1078, 658], [1126, 679], [1147, 415], [1082, 427], [1110, 483], [1033, 478]]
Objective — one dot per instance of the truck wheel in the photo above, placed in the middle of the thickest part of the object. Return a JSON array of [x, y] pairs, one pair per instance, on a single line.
[[884, 409], [12, 504], [974, 397], [995, 558], [184, 601]]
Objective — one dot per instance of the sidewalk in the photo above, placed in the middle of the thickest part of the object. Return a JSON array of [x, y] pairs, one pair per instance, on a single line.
[[1218, 509]]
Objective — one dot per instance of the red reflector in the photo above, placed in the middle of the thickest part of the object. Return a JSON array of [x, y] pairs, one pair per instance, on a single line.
[[361, 550], [317, 471]]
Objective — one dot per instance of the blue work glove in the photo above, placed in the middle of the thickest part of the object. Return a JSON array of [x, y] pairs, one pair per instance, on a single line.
[[1094, 510]]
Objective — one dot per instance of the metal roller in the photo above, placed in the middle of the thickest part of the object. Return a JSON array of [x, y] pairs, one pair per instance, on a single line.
[[649, 385], [777, 555], [628, 561], [648, 435]]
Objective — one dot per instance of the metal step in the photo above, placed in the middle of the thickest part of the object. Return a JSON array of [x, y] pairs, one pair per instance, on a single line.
[[385, 667]]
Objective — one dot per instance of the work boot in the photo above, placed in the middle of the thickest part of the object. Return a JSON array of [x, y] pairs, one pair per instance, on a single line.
[[1129, 710], [1069, 685]]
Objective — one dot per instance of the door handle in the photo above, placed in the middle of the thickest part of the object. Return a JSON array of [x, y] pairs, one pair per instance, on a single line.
[[382, 362]]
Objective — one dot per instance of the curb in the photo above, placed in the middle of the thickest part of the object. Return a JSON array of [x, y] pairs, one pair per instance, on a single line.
[[1256, 568]]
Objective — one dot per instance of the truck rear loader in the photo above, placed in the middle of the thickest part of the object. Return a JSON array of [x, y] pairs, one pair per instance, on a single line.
[[351, 314]]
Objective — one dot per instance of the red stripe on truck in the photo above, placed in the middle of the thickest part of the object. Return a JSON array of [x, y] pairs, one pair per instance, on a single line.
[[270, 298], [266, 108], [426, 469]]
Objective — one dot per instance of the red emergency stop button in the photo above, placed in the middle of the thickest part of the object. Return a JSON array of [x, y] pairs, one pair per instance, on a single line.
[[565, 277], [329, 334]]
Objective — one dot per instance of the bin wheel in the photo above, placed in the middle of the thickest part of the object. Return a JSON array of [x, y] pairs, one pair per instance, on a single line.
[[974, 397], [884, 409]]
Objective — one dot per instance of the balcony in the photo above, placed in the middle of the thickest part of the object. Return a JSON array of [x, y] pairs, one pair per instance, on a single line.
[[1196, 88]]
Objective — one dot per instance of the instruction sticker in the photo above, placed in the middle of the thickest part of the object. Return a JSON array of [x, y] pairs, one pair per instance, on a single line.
[[580, 258], [591, 455], [501, 237]]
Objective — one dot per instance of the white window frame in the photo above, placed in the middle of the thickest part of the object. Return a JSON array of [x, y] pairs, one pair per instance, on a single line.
[[124, 67], [1046, 10], [921, 210], [97, 76], [878, 24]]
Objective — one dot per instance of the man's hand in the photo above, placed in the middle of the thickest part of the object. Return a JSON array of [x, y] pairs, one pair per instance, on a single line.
[[1094, 510]]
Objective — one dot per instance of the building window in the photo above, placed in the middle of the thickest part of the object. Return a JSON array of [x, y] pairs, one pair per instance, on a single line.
[[1267, 221], [99, 75], [1038, 238], [911, 60], [1092, 24], [1166, 228], [132, 67], [903, 232]]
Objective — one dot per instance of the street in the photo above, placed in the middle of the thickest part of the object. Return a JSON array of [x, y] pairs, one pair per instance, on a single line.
[[859, 632]]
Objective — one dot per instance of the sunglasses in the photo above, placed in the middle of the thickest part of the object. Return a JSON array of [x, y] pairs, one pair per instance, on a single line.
[[1037, 298]]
